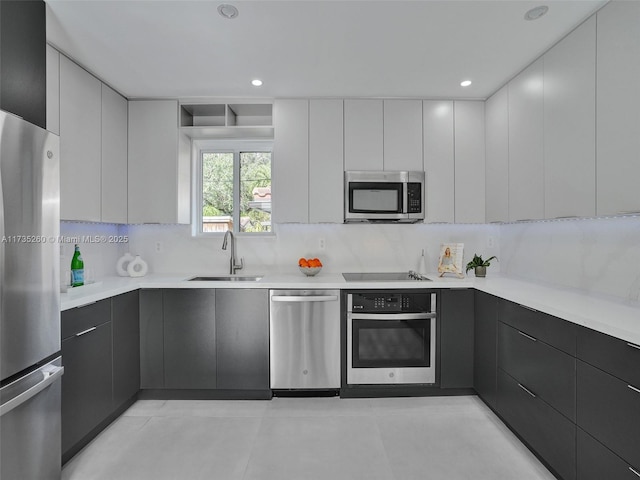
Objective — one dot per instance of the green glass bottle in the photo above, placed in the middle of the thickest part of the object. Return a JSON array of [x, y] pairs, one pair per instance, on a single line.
[[77, 268]]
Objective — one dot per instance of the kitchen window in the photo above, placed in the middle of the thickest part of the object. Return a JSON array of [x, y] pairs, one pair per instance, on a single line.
[[233, 187]]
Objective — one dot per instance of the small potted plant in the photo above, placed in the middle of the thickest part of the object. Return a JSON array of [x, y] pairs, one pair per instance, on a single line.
[[479, 265]]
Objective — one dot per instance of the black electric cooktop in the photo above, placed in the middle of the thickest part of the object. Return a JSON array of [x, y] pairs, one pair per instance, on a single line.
[[384, 277]]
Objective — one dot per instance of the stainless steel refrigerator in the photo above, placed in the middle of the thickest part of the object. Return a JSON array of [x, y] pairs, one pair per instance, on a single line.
[[30, 362]]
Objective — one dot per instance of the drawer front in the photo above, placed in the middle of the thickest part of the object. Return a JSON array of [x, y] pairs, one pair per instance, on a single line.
[[544, 370], [597, 462], [609, 410], [617, 357], [552, 330], [79, 319], [547, 432]]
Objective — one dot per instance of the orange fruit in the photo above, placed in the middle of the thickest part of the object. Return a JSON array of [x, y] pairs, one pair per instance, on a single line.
[[303, 262]]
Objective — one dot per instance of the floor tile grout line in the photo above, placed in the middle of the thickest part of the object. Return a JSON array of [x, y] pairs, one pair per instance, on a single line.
[[253, 444]]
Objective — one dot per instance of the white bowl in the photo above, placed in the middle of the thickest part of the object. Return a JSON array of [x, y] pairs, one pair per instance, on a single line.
[[310, 271]]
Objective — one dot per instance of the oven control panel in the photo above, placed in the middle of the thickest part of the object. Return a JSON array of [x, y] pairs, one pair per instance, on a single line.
[[390, 302]]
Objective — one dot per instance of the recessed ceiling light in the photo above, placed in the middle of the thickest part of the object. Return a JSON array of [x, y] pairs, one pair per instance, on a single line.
[[256, 82], [227, 11], [536, 13], [465, 83]]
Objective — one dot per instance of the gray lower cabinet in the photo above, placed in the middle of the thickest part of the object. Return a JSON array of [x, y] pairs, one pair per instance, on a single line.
[[597, 462], [242, 339], [550, 434], [204, 339], [126, 347], [485, 347], [87, 380], [542, 369], [189, 338], [456, 338]]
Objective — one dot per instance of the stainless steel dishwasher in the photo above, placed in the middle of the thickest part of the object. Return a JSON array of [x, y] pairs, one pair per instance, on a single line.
[[304, 327]]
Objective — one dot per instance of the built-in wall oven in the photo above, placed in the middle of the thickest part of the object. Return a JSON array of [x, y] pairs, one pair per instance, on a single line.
[[391, 338]]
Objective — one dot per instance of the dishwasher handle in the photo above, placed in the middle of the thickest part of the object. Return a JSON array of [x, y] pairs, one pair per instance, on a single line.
[[304, 298]]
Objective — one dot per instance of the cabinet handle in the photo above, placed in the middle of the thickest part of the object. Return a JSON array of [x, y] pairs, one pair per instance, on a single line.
[[634, 388], [84, 332], [528, 308], [633, 345], [527, 390], [565, 217], [629, 212], [533, 339], [633, 470]]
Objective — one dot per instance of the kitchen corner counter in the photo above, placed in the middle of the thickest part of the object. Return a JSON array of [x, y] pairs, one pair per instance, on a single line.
[[619, 319]]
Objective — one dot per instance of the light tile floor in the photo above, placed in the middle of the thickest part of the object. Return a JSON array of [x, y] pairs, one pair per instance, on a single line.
[[431, 438]]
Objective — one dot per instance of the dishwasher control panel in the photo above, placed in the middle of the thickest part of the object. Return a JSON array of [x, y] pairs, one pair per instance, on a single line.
[[391, 302]]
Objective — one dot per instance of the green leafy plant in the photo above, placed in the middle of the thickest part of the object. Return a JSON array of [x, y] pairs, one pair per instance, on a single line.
[[479, 262]]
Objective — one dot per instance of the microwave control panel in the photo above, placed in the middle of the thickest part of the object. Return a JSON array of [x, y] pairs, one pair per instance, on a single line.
[[390, 302], [414, 197]]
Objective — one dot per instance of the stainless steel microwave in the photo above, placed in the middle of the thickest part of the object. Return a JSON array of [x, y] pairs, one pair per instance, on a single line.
[[374, 196]]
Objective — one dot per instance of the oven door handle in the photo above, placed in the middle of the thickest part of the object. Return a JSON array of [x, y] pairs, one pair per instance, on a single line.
[[391, 316]]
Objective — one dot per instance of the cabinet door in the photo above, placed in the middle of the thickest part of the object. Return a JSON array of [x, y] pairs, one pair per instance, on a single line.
[[402, 135], [609, 410], [497, 172], [53, 90], [618, 107], [595, 461], [80, 136], [86, 383], [544, 370], [158, 169], [547, 432], [126, 347], [151, 339], [485, 347], [570, 123], [114, 157], [456, 338], [291, 161], [470, 162], [242, 339], [437, 122], [363, 134], [326, 165], [189, 338], [526, 144], [23, 86]]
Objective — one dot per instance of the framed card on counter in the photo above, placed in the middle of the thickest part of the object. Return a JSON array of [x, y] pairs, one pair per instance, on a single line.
[[451, 259]]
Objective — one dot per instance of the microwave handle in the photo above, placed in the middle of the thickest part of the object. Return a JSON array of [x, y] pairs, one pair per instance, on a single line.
[[405, 195]]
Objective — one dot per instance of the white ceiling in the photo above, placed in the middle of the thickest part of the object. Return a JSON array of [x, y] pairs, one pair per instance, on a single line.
[[308, 48]]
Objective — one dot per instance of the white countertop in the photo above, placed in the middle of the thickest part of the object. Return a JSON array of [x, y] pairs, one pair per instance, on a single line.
[[615, 318]]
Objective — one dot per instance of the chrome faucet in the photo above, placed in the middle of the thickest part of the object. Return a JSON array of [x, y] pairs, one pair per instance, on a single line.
[[233, 266]]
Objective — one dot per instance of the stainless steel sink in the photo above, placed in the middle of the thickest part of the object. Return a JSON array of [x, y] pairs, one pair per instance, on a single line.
[[228, 278]]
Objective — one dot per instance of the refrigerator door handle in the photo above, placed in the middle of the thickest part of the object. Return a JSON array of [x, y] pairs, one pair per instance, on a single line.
[[49, 375]]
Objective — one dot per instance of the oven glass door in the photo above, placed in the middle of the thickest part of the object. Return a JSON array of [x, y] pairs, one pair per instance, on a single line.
[[376, 197], [391, 343]]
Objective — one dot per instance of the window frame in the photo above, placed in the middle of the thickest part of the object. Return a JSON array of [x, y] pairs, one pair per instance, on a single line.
[[235, 146]]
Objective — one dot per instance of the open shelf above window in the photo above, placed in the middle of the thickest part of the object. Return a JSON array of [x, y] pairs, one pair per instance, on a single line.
[[227, 120]]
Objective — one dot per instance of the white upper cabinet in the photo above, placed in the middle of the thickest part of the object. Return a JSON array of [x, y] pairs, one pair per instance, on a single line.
[[469, 162], [402, 137], [363, 134], [526, 144], [53, 90], [569, 124], [618, 107], [291, 161], [497, 156], [326, 165], [439, 162], [159, 164], [114, 156], [80, 135]]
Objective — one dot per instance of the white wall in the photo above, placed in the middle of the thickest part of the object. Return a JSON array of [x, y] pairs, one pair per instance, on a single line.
[[600, 256], [348, 247]]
